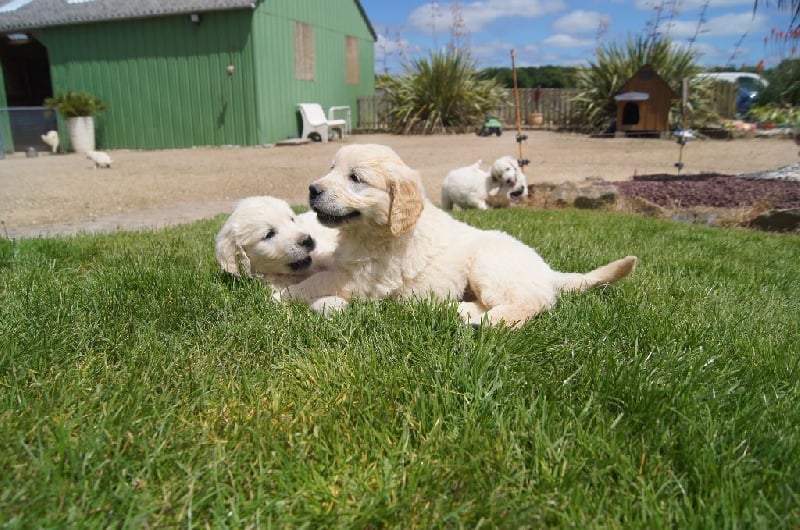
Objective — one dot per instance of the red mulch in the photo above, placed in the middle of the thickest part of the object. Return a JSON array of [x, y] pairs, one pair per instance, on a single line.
[[711, 189]]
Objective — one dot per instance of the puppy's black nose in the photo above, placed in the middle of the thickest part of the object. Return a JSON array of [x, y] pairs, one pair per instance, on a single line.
[[314, 191], [308, 243]]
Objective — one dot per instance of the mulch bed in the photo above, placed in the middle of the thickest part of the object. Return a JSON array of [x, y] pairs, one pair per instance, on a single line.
[[711, 190]]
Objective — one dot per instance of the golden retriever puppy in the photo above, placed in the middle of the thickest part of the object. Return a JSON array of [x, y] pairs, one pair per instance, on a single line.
[[268, 240], [394, 243], [475, 187], [51, 139], [99, 158]]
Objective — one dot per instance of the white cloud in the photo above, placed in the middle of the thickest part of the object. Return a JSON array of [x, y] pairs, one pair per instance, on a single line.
[[581, 21], [685, 5], [498, 53], [562, 40], [479, 14], [731, 24], [708, 53], [490, 50], [391, 52], [735, 24]]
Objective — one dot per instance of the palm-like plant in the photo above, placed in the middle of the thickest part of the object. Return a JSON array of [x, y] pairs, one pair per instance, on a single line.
[[438, 95], [617, 63]]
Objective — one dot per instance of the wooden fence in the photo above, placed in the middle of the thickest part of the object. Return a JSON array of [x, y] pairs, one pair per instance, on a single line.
[[724, 99], [556, 106]]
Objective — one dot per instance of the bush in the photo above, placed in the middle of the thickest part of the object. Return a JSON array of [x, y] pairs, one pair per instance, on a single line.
[[784, 84], [439, 95], [72, 104]]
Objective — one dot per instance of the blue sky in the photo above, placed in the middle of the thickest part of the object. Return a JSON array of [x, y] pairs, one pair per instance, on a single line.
[[558, 32]]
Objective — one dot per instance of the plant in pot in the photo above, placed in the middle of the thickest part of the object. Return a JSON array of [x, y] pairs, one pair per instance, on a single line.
[[79, 110], [771, 115], [536, 117]]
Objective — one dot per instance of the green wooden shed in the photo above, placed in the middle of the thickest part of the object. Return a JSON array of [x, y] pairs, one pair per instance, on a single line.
[[188, 73]]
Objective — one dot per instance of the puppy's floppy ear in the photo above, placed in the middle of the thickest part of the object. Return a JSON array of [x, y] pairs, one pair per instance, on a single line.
[[229, 251], [407, 204], [497, 172]]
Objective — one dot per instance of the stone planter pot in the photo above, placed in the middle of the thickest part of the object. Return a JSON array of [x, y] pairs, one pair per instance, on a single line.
[[81, 133], [535, 118]]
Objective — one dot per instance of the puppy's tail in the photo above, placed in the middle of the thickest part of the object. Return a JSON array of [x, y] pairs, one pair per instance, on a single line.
[[610, 273]]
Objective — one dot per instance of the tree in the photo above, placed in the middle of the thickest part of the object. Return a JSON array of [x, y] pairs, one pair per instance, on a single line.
[[533, 76], [784, 84]]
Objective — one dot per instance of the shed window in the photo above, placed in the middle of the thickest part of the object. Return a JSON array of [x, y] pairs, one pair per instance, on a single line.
[[303, 51], [351, 60]]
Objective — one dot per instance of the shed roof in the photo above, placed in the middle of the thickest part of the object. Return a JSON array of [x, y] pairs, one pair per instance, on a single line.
[[21, 15]]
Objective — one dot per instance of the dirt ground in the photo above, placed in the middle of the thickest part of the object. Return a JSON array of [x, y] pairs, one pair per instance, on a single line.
[[64, 194]]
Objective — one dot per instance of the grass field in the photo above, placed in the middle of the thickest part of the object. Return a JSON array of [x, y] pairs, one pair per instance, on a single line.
[[141, 387]]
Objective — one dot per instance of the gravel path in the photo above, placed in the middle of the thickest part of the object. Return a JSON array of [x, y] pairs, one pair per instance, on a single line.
[[64, 194]]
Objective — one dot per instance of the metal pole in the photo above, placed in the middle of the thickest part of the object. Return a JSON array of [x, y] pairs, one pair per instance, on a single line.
[[682, 139], [522, 161]]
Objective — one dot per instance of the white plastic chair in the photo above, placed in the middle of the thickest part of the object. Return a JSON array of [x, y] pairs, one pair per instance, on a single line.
[[314, 121]]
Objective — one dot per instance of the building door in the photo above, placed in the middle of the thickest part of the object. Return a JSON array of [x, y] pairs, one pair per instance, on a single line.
[[26, 76]]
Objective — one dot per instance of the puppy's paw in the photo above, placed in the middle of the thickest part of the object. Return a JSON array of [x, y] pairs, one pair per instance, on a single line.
[[329, 305], [471, 313], [277, 296]]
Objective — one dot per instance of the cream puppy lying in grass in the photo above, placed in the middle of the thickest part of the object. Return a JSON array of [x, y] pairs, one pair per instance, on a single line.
[[266, 239], [394, 243]]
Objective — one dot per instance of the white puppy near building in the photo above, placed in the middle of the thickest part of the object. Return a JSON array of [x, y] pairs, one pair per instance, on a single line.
[[100, 158], [474, 187]]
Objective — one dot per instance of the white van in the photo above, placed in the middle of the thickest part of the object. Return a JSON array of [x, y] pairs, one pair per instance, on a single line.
[[747, 80], [748, 86]]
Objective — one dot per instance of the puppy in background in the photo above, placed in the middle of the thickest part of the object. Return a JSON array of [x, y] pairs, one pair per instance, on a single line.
[[264, 238], [100, 158], [51, 139], [473, 187]]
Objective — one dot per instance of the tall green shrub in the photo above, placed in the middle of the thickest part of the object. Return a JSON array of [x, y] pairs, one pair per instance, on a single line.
[[784, 84], [440, 94]]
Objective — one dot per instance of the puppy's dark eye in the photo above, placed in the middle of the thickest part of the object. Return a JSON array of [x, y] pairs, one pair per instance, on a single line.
[[270, 234], [354, 177]]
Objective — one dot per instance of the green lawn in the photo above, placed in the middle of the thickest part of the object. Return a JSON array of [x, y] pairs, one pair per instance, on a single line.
[[142, 387]]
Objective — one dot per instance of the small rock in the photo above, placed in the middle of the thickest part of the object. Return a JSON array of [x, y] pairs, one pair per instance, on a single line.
[[642, 206], [596, 196], [564, 194], [697, 216], [589, 195], [787, 220]]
